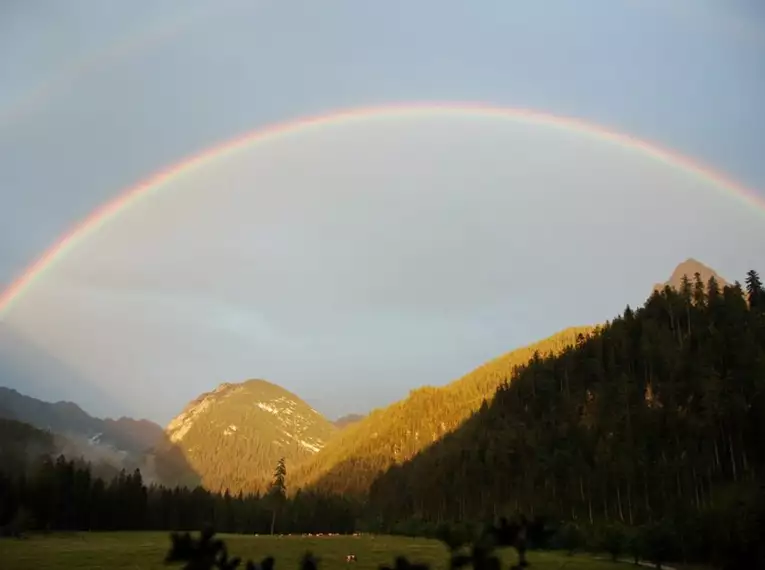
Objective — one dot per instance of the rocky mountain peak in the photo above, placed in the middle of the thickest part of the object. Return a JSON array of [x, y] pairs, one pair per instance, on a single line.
[[689, 268]]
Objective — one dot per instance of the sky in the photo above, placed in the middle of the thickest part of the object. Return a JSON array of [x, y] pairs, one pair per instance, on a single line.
[[352, 263]]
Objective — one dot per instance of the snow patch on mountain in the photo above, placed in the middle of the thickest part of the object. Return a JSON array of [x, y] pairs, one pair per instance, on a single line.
[[313, 445], [267, 408]]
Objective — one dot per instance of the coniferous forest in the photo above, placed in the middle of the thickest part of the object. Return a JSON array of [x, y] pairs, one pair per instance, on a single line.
[[644, 436], [655, 419], [61, 494]]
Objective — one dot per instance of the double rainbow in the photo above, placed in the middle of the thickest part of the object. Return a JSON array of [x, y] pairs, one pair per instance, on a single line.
[[157, 181]]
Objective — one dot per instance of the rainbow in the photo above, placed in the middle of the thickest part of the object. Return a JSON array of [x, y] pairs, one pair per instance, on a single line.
[[154, 183], [122, 48]]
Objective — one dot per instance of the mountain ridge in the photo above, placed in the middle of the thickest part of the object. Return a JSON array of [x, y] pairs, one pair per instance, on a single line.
[[232, 435], [69, 419], [108, 444], [350, 461]]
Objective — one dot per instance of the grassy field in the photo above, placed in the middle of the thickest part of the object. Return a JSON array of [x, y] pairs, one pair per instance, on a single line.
[[146, 551]]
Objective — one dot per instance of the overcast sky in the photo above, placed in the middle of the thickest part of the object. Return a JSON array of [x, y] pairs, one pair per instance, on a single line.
[[355, 262]]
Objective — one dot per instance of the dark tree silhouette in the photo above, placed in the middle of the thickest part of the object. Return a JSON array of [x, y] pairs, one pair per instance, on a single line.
[[277, 493]]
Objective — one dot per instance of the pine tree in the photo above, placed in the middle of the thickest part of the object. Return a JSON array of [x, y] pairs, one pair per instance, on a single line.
[[278, 491], [754, 290], [699, 290]]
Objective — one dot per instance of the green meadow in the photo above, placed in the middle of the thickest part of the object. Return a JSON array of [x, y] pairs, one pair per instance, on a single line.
[[146, 551]]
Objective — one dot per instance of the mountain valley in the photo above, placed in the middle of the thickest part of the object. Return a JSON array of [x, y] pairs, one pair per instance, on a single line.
[[649, 423], [232, 437]]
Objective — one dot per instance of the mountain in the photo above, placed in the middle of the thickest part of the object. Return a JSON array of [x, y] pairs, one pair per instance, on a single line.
[[233, 436], [110, 445], [689, 268], [347, 420], [23, 445], [657, 415], [68, 419], [130, 434], [352, 459]]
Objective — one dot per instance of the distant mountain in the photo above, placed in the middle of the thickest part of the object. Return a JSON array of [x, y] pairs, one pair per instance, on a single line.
[[351, 460], [68, 419], [110, 445], [347, 420], [234, 435], [128, 433], [689, 268]]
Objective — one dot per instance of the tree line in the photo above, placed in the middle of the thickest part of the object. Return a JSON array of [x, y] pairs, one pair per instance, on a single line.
[[60, 494]]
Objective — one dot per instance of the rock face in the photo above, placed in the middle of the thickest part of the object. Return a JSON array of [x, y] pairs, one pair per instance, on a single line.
[[233, 436], [690, 267]]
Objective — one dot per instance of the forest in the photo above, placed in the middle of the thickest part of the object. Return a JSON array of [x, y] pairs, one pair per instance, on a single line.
[[63, 495], [643, 435], [654, 419]]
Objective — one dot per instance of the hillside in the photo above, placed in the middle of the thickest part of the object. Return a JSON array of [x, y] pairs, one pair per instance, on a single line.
[[350, 462], [233, 436], [658, 415]]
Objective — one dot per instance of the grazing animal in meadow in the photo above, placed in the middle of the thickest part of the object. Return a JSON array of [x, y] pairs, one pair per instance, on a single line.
[[350, 558]]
